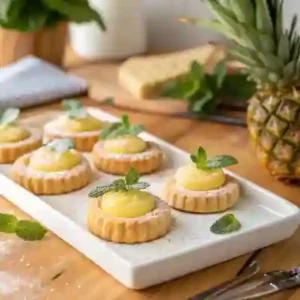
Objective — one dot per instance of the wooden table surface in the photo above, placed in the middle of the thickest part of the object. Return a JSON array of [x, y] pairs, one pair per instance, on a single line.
[[51, 269]]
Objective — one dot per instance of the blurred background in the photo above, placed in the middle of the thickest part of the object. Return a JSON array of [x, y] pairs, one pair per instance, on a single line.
[[165, 33]]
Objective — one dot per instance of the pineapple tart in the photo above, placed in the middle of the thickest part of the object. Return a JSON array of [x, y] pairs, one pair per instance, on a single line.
[[77, 124], [202, 186], [120, 148], [55, 168], [16, 140], [122, 213]]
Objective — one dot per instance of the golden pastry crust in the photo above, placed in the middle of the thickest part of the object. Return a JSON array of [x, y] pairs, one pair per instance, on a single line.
[[202, 201], [146, 228], [55, 183], [145, 162], [9, 152], [84, 141]]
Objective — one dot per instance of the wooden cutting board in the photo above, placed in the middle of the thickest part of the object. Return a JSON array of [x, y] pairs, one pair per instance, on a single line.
[[103, 82]]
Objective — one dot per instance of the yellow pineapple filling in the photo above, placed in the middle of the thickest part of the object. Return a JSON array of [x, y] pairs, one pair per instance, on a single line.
[[127, 204], [77, 125], [192, 178], [128, 144], [13, 134], [48, 160]]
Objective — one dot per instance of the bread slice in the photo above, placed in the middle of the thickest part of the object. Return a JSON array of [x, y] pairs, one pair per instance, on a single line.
[[144, 76]]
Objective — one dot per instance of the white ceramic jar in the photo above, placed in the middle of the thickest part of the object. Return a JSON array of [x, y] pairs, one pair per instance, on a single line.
[[125, 35]]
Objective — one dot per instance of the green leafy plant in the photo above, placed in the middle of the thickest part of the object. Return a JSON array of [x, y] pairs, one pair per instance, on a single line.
[[61, 145], [121, 128], [220, 161], [29, 15], [129, 182], [226, 224], [9, 116], [74, 109], [204, 91], [26, 230]]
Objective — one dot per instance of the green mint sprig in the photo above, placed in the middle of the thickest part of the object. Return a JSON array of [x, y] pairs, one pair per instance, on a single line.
[[61, 145], [204, 91], [121, 128], [220, 161], [9, 116], [74, 109], [26, 230], [226, 224], [129, 182]]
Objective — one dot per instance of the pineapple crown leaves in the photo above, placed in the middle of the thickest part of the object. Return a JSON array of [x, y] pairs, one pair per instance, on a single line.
[[61, 145], [226, 224], [129, 182], [9, 116], [121, 128], [74, 109], [26, 230], [271, 53], [220, 161]]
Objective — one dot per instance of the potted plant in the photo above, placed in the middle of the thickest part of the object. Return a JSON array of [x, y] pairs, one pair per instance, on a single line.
[[127, 35], [40, 27]]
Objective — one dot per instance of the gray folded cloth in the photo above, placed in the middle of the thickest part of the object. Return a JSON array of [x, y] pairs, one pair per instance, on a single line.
[[32, 81]]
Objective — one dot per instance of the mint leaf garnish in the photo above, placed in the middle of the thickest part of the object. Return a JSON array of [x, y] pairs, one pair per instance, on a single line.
[[101, 190], [221, 161], [74, 109], [220, 72], [110, 130], [9, 116], [30, 231], [216, 162], [120, 129], [139, 186], [26, 230], [204, 91], [226, 224], [136, 129], [61, 145], [8, 223], [119, 185], [200, 158], [129, 182], [125, 121], [132, 177]]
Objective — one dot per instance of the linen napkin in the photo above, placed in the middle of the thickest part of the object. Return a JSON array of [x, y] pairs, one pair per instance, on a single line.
[[32, 81]]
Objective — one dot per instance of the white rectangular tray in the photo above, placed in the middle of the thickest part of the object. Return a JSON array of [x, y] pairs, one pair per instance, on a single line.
[[266, 218]]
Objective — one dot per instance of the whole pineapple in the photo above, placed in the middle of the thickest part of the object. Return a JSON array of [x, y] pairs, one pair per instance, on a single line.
[[272, 57]]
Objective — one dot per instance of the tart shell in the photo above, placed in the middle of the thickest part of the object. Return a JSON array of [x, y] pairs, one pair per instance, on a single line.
[[9, 152], [84, 141], [202, 201], [42, 183], [120, 164], [146, 228]]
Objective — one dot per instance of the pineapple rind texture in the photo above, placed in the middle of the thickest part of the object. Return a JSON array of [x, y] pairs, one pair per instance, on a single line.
[[271, 54], [276, 134]]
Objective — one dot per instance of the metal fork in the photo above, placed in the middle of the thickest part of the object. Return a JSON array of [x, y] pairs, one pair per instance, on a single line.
[[270, 283]]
